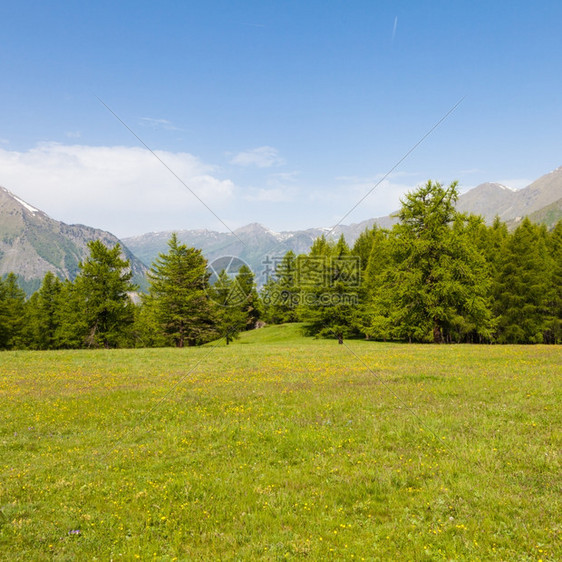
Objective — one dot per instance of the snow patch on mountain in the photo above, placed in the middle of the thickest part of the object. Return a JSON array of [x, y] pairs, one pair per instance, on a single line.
[[26, 205], [282, 236], [504, 187]]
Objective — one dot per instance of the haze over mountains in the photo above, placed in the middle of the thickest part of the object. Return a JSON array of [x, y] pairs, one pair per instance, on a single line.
[[541, 201], [32, 243]]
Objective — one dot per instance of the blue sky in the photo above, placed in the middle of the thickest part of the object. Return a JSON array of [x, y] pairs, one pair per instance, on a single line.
[[284, 113]]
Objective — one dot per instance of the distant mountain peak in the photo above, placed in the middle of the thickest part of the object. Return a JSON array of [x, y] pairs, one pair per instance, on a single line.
[[32, 243], [253, 226], [17, 203], [490, 186], [495, 199], [503, 186]]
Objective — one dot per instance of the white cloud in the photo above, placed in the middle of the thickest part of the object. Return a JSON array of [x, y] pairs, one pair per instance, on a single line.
[[261, 157], [471, 171], [378, 202], [73, 134], [122, 189], [273, 195], [282, 179], [158, 124], [372, 180]]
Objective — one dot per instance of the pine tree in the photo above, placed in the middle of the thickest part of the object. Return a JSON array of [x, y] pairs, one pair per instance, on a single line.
[[146, 332], [103, 285], [492, 241], [42, 313], [251, 305], [436, 285], [71, 323], [370, 319], [227, 294], [523, 289], [364, 245], [281, 292], [329, 279], [12, 309], [553, 333], [178, 295]]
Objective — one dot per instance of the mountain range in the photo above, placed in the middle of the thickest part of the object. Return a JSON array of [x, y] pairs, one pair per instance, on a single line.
[[32, 243], [541, 201], [511, 205]]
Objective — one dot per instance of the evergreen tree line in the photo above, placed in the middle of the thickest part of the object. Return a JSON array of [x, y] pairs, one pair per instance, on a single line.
[[97, 309], [437, 276]]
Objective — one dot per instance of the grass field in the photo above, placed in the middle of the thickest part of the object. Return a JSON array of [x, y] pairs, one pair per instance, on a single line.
[[280, 447]]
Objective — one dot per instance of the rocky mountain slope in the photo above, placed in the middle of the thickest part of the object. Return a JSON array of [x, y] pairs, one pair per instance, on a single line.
[[491, 199], [32, 243], [548, 216], [487, 200]]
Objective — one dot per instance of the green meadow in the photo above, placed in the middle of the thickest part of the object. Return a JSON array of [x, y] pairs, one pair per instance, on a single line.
[[282, 447]]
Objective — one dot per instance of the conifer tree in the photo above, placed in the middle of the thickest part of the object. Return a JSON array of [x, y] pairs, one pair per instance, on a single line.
[[71, 323], [492, 241], [43, 318], [281, 293], [329, 278], [227, 294], [146, 332], [553, 333], [436, 285], [523, 291], [12, 308], [103, 285], [369, 319], [178, 295], [251, 305], [364, 245]]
